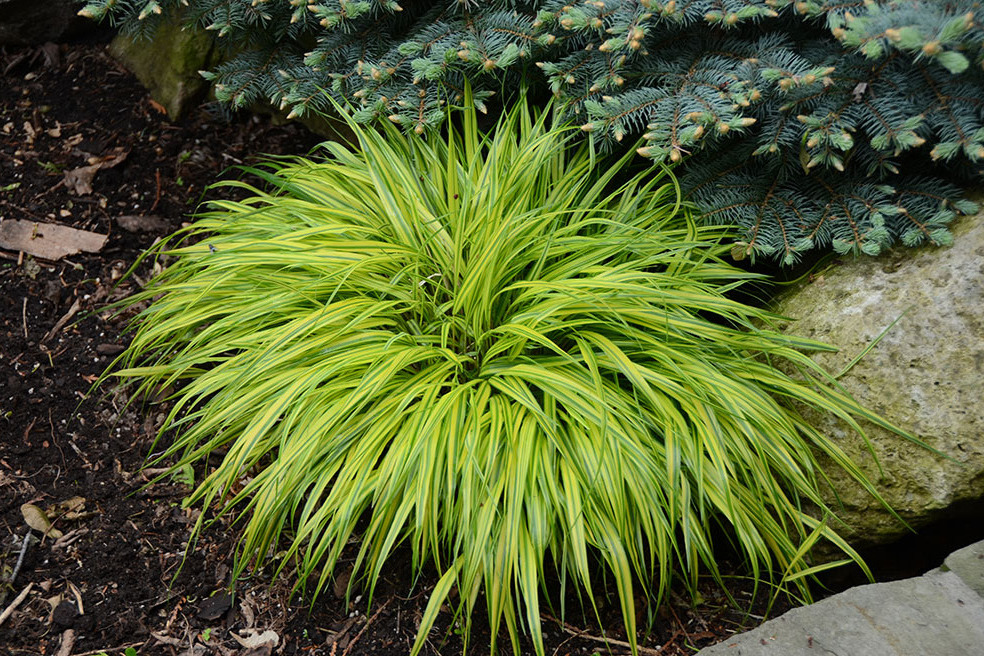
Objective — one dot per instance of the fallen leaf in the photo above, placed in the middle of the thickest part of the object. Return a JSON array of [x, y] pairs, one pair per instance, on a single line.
[[340, 587], [257, 639], [246, 610], [36, 519], [167, 640], [52, 57], [70, 509], [194, 650], [214, 607], [262, 650], [48, 240], [79, 181]]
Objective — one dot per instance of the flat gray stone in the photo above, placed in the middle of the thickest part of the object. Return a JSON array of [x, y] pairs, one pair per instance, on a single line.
[[968, 564], [932, 615]]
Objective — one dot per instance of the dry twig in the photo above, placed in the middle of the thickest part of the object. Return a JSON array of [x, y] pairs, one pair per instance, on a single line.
[[365, 626], [67, 642], [113, 650], [76, 306], [9, 610], [581, 633]]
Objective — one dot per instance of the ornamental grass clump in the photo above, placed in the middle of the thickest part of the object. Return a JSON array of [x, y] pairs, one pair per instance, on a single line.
[[493, 349]]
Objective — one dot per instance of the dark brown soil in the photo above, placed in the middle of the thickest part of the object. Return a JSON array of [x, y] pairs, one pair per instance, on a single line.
[[123, 575]]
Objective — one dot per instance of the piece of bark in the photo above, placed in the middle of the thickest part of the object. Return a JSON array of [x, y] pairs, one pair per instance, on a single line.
[[138, 223], [49, 241]]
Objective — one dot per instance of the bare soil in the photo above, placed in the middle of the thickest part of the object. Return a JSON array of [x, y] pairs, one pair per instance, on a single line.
[[123, 575]]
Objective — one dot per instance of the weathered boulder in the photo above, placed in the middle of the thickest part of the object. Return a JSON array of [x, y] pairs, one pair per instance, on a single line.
[[29, 22], [926, 375], [168, 64]]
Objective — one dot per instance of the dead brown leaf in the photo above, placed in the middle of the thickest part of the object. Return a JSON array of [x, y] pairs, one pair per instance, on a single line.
[[38, 520], [157, 107], [79, 181]]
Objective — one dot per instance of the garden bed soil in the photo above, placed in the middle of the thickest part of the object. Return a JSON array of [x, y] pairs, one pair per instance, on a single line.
[[83, 146]]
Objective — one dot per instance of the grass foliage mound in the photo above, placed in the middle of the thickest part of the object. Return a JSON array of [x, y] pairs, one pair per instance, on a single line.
[[495, 349]]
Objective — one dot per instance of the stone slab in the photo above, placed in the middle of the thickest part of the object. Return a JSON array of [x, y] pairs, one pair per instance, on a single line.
[[932, 615], [968, 564]]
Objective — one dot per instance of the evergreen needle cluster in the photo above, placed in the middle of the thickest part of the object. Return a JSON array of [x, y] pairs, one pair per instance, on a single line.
[[808, 123], [496, 351]]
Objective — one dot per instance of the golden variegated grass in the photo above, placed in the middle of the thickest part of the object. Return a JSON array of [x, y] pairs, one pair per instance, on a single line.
[[497, 350]]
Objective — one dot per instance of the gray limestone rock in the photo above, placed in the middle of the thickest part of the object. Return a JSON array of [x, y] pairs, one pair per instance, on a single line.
[[932, 615], [968, 564], [926, 375]]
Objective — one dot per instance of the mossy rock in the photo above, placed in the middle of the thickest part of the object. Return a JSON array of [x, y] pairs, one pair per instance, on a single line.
[[926, 375], [168, 65]]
